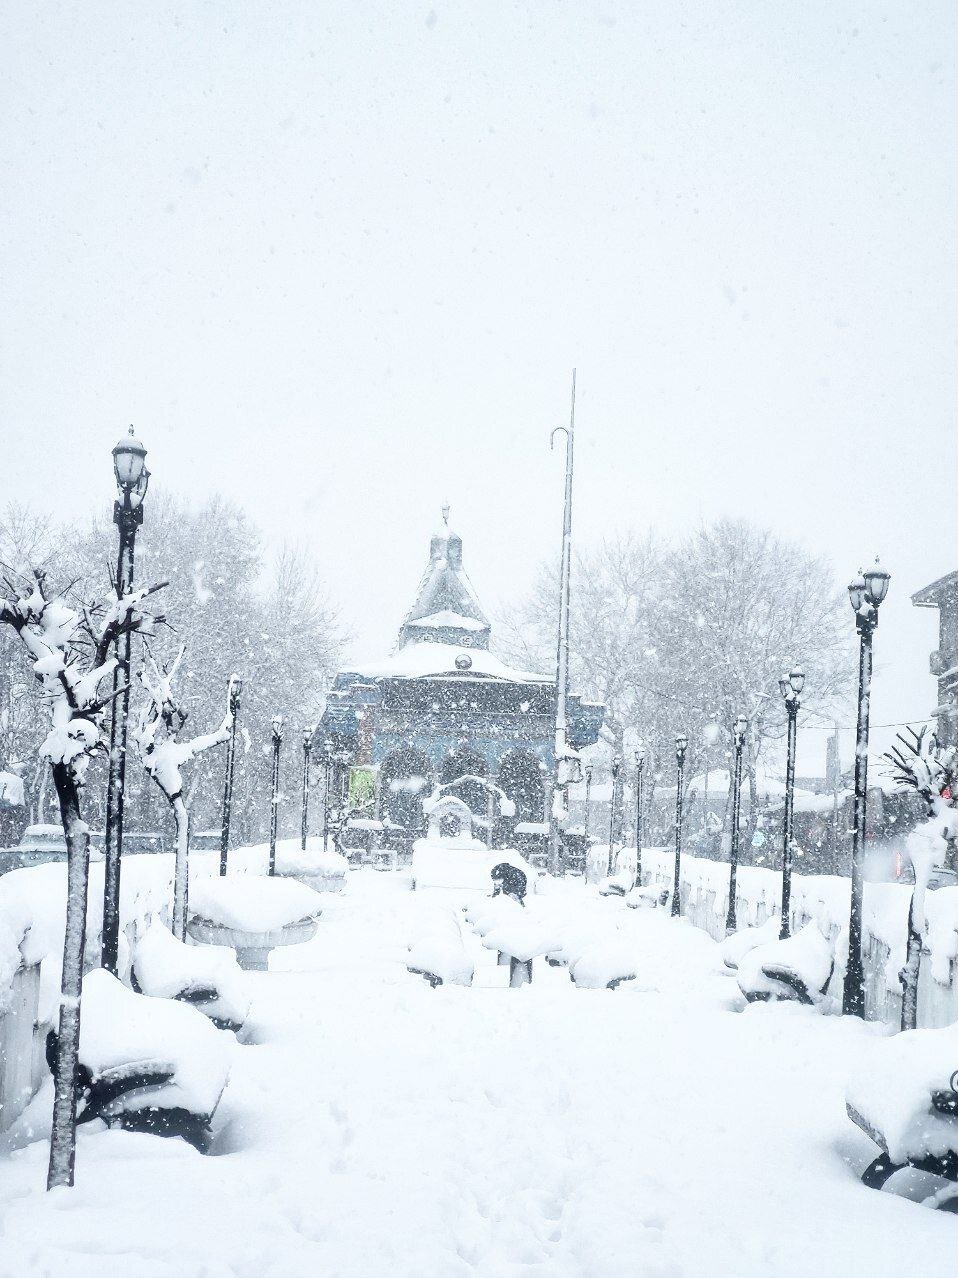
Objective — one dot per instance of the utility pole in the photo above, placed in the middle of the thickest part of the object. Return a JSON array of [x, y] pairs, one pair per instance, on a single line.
[[567, 769]]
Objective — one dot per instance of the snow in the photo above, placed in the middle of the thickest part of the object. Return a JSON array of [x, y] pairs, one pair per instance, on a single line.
[[447, 619], [735, 947], [119, 1027], [11, 790], [893, 1091], [463, 863], [382, 1127], [253, 903], [292, 860], [166, 967], [806, 955], [418, 660]]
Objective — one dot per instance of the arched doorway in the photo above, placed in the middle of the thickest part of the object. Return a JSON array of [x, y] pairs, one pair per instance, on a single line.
[[404, 782], [465, 763], [520, 776]]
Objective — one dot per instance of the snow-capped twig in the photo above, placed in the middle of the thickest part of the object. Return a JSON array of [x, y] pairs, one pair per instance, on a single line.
[[70, 653], [164, 755]]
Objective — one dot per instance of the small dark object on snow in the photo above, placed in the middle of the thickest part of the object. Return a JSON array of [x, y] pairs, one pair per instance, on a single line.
[[881, 1169], [509, 880]]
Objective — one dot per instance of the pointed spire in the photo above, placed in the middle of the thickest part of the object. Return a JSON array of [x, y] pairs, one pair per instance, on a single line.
[[445, 600]]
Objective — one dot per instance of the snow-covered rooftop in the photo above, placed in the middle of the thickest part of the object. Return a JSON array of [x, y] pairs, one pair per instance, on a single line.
[[447, 618], [417, 660]]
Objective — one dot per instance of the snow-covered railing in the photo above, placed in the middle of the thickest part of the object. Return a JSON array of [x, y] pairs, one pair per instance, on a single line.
[[824, 899], [32, 911]]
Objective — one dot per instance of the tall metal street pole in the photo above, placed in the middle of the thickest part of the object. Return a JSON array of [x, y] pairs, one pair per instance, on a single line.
[[132, 477], [327, 765], [274, 806], [564, 771], [235, 691], [613, 806], [681, 745], [791, 687], [741, 727], [865, 595], [639, 801], [586, 824], [307, 750]]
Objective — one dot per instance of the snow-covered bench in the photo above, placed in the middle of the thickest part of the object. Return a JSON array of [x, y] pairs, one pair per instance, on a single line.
[[252, 915], [907, 1103], [798, 968], [206, 976], [639, 898], [439, 955], [734, 948], [147, 1064]]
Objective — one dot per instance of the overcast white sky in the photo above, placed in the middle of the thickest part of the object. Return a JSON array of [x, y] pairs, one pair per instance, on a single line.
[[338, 261]]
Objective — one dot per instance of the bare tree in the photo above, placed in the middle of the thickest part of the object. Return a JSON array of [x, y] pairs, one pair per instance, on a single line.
[[693, 635], [163, 756], [71, 658]]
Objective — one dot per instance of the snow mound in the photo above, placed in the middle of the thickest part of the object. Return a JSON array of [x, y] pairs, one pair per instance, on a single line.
[[291, 860], [251, 903], [119, 1027], [603, 963], [167, 968], [735, 947], [892, 1094], [797, 968], [444, 956]]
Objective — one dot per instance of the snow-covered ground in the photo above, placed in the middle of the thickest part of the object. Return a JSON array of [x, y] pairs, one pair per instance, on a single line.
[[376, 1126]]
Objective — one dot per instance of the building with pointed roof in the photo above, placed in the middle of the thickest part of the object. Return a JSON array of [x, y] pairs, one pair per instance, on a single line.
[[444, 707]]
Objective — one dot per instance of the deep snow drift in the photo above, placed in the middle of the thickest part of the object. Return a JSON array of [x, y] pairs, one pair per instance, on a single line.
[[377, 1126]]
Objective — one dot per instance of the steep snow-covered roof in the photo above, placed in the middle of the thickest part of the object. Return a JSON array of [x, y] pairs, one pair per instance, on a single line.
[[447, 619], [445, 599], [416, 660]]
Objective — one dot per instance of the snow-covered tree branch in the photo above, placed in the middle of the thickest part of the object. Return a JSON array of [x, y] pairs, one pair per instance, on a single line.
[[164, 755], [69, 650]]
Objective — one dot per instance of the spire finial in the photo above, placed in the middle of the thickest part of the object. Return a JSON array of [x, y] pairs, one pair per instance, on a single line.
[[445, 513]]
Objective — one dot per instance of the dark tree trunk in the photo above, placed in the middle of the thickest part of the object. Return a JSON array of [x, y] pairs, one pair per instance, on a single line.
[[909, 973], [63, 1134]]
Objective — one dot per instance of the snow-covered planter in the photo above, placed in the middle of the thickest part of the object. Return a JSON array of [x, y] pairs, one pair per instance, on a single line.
[[150, 1064], [321, 871], [206, 976], [252, 915], [798, 968]]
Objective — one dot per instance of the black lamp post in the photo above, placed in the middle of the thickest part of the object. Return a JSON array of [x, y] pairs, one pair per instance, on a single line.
[[865, 595], [681, 745], [307, 750], [327, 766], [741, 727], [274, 810], [639, 800], [132, 479], [791, 687], [235, 691], [613, 803], [588, 805]]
